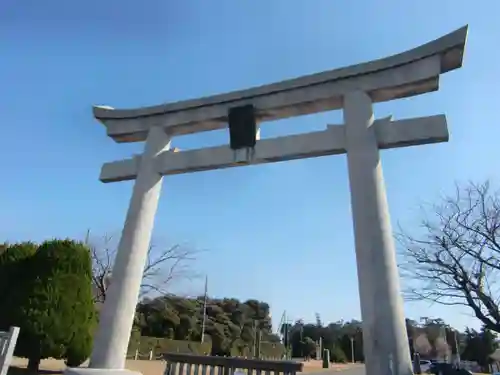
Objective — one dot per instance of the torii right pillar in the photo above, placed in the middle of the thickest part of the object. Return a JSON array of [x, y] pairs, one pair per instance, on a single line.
[[385, 341]]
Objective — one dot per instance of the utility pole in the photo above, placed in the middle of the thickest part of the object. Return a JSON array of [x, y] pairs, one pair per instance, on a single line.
[[286, 334], [352, 349], [302, 341], [258, 343], [203, 323], [255, 338]]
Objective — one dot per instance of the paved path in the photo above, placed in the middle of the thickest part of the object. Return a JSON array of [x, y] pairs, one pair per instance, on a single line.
[[357, 370]]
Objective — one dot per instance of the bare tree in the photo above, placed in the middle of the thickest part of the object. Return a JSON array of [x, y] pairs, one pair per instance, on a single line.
[[163, 266], [455, 257]]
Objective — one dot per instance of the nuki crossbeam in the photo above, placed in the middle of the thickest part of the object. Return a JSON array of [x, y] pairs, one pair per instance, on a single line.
[[390, 134]]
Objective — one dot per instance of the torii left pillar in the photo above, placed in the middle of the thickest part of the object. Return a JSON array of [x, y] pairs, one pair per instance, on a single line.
[[117, 316]]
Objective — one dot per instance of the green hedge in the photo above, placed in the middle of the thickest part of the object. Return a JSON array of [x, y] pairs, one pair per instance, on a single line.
[[268, 350], [162, 345], [272, 350]]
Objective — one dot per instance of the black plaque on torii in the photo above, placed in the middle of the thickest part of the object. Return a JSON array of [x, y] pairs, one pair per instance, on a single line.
[[242, 127]]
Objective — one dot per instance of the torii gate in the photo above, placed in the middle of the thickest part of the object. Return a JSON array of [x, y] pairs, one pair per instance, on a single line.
[[353, 89]]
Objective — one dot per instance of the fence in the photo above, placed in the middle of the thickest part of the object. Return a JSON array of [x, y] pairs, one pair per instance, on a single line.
[[7, 344], [151, 355], [188, 364]]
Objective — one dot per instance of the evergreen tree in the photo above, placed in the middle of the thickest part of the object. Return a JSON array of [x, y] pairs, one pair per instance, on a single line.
[[472, 345], [13, 259], [479, 346], [337, 354], [56, 314], [488, 346]]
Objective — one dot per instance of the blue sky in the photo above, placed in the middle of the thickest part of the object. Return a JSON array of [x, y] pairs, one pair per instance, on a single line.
[[278, 232]]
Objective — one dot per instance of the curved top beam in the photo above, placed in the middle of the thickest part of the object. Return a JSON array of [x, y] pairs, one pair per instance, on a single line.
[[409, 73]]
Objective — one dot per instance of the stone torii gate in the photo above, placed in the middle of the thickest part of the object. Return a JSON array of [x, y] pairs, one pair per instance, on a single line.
[[353, 89]]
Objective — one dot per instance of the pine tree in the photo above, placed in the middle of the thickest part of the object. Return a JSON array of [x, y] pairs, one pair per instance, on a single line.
[[488, 346], [479, 346], [472, 347]]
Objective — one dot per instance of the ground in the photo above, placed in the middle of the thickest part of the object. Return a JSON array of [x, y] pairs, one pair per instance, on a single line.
[[52, 366]]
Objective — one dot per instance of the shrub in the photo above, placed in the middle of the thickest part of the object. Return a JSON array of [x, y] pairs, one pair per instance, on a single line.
[[79, 350], [162, 345], [56, 314], [272, 349], [337, 355], [13, 259]]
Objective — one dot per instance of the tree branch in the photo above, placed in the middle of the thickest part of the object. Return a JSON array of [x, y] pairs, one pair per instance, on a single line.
[[455, 258], [163, 266]]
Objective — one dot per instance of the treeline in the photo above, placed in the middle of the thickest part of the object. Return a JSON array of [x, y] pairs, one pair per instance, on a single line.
[[343, 339], [45, 289], [233, 327], [431, 338]]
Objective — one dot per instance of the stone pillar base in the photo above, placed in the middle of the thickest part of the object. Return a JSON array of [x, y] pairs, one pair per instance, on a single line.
[[98, 371]]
